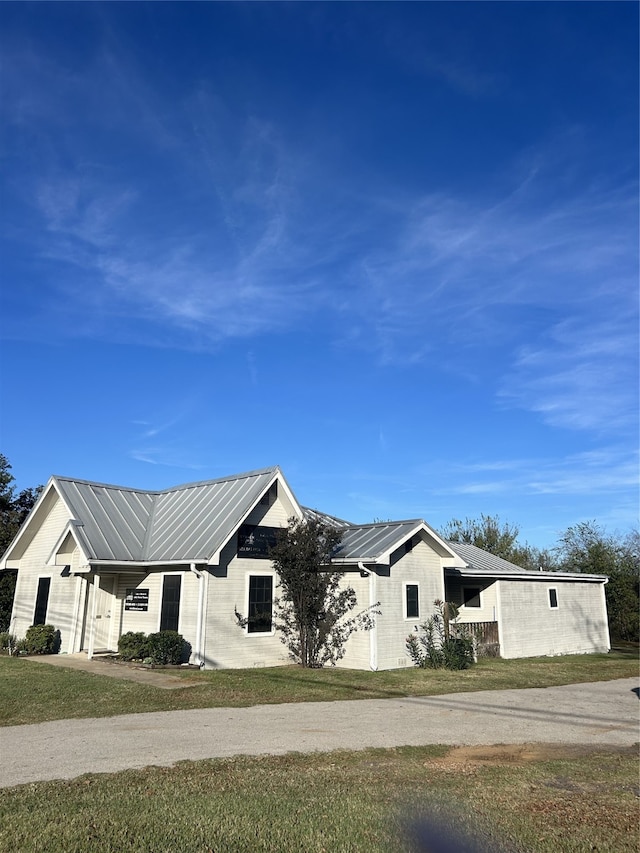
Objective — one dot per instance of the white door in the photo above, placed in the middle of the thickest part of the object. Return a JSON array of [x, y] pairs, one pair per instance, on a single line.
[[104, 602]]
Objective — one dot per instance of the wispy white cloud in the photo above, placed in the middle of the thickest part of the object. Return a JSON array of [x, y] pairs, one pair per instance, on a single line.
[[605, 470], [582, 375], [457, 268], [234, 231]]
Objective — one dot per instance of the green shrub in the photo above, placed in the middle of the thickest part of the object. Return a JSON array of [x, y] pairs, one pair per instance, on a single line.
[[166, 647], [42, 640], [443, 645], [133, 646]]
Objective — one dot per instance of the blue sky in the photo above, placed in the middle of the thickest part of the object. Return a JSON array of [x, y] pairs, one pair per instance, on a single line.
[[389, 247]]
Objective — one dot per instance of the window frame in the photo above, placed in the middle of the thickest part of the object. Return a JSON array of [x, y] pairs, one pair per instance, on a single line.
[[405, 599], [164, 576], [272, 630], [37, 602], [551, 599]]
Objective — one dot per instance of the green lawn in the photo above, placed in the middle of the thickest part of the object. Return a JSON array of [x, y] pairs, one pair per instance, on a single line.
[[341, 801], [32, 692]]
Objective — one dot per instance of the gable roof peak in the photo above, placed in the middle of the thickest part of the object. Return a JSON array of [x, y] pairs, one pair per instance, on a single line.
[[208, 482], [259, 472], [390, 523]]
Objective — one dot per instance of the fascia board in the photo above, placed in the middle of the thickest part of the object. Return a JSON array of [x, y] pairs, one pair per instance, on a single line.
[[72, 527], [353, 561], [470, 572], [279, 476], [143, 564], [28, 522], [432, 533]]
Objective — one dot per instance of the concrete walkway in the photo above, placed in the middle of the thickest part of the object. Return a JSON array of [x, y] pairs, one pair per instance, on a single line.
[[603, 714], [162, 678]]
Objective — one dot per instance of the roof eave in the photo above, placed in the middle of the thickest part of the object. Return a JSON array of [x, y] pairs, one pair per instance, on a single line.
[[470, 572]]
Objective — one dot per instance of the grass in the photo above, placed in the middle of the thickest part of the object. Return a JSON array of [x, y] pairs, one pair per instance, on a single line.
[[341, 801], [32, 692]]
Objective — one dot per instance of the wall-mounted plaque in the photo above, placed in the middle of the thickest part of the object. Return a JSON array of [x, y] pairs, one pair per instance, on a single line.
[[137, 599], [255, 541]]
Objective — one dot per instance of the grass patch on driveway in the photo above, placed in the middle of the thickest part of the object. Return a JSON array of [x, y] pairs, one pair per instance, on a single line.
[[541, 801], [32, 692]]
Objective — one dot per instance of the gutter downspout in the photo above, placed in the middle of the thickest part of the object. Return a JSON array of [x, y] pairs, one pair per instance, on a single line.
[[373, 633], [198, 649]]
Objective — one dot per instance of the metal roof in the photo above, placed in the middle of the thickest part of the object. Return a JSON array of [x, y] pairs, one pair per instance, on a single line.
[[369, 542], [114, 520], [476, 558], [483, 564], [330, 520], [188, 523], [191, 523]]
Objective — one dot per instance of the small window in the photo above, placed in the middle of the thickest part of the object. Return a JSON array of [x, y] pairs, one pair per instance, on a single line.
[[260, 604], [42, 601], [553, 598], [413, 609], [471, 596], [170, 612]]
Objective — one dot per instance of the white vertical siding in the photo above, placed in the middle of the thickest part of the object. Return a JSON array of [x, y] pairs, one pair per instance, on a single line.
[[33, 565], [422, 566], [488, 610], [148, 622], [358, 648], [530, 627], [226, 644]]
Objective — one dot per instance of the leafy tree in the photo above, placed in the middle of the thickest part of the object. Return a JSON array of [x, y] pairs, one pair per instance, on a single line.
[[314, 611], [487, 532], [14, 508], [587, 547], [499, 538]]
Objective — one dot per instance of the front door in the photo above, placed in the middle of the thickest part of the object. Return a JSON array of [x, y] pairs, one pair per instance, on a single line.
[[104, 602]]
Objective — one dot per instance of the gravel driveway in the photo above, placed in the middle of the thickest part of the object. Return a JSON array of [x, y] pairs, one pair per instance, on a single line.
[[601, 714]]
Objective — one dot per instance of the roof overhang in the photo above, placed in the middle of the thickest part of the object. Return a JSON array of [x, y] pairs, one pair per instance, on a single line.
[[484, 574], [60, 557], [384, 558], [17, 547]]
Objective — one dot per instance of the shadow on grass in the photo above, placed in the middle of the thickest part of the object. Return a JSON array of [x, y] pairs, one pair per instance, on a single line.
[[323, 683]]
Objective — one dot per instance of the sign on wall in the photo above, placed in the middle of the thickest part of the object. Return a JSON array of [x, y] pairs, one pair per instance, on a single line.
[[137, 599], [255, 541]]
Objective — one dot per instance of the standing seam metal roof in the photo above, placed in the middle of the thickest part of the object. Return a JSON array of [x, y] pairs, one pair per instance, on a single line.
[[476, 558], [370, 541], [184, 524]]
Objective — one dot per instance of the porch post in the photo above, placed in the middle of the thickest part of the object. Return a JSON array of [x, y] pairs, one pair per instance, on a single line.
[[94, 607]]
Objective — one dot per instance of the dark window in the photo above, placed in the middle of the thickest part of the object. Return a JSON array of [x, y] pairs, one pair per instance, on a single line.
[[42, 600], [471, 596], [553, 598], [170, 603], [260, 604], [413, 611]]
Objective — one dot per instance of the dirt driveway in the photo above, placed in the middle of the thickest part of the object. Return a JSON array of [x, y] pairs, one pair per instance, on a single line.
[[602, 714]]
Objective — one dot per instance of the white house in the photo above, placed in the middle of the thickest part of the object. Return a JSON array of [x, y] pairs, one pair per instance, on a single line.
[[98, 560]]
